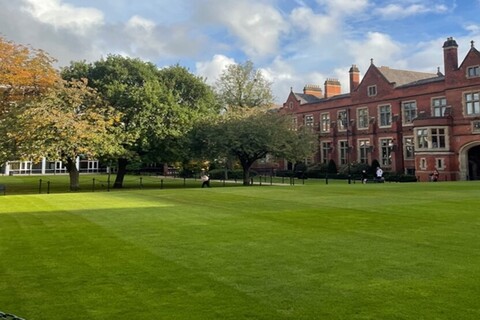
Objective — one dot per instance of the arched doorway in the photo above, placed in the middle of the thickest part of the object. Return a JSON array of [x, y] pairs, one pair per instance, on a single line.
[[474, 163]]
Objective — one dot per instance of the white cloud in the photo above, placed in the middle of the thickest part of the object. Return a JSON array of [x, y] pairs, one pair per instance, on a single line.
[[379, 47], [64, 16], [344, 7], [211, 70], [137, 22], [256, 26], [400, 11], [317, 25]]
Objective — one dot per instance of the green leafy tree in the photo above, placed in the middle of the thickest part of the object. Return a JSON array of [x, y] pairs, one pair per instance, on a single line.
[[158, 106], [250, 136], [193, 101], [67, 121], [243, 86]]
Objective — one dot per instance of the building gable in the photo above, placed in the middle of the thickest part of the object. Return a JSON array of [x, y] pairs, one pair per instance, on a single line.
[[373, 84], [472, 59]]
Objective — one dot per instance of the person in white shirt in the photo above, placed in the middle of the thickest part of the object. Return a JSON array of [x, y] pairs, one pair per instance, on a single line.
[[205, 179], [379, 174]]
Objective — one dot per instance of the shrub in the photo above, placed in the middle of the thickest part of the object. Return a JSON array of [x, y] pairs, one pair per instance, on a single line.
[[356, 168], [285, 173], [399, 177], [219, 174]]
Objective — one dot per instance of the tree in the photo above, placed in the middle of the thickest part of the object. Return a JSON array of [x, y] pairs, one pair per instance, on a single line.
[[132, 87], [157, 106], [249, 136], [67, 121], [247, 131], [193, 101], [25, 73], [243, 86]]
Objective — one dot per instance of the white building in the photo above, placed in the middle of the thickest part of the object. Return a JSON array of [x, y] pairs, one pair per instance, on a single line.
[[48, 167]]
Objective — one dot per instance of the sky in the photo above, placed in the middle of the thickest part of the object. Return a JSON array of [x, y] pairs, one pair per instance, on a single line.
[[293, 42]]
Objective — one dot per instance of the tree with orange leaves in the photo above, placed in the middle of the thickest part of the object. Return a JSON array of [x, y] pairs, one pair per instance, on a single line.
[[42, 115], [24, 72], [65, 122]]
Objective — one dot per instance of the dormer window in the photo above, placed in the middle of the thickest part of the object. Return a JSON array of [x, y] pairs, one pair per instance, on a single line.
[[372, 91], [473, 72], [290, 105]]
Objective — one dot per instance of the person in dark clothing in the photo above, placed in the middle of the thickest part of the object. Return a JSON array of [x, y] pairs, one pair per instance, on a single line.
[[364, 176], [205, 180]]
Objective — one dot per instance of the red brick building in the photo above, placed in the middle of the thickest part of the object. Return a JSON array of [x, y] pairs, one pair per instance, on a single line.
[[411, 122]]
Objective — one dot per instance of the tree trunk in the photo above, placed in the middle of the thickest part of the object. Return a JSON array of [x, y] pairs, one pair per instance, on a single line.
[[122, 170], [74, 175], [246, 174]]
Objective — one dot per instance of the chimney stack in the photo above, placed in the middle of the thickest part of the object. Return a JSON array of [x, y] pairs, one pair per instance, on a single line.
[[332, 88], [450, 55], [354, 77], [314, 90]]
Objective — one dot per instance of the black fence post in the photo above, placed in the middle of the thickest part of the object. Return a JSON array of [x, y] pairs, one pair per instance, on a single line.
[[93, 185], [108, 182], [141, 182], [48, 187], [40, 186]]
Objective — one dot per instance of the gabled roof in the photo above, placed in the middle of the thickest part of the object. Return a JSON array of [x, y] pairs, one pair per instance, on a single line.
[[472, 52], [403, 77], [306, 98]]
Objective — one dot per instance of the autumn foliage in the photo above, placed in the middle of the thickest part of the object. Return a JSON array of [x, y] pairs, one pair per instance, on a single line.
[[24, 72]]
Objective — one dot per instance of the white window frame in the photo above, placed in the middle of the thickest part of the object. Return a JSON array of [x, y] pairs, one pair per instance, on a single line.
[[423, 164], [362, 119], [408, 148], [372, 90], [341, 122], [409, 112], [363, 150], [309, 120], [440, 163], [430, 138], [439, 106], [326, 150], [294, 123], [325, 122], [385, 151], [380, 116], [473, 71], [472, 103], [342, 152]]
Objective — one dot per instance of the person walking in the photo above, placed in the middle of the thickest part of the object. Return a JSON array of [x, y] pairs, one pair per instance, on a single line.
[[364, 176], [205, 179], [379, 174]]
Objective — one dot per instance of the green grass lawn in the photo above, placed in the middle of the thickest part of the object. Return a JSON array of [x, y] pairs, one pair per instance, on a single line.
[[313, 251]]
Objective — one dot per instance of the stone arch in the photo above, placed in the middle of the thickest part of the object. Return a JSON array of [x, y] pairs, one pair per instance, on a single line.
[[469, 160]]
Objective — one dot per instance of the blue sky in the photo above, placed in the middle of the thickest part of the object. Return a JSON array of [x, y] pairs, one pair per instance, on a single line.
[[294, 42]]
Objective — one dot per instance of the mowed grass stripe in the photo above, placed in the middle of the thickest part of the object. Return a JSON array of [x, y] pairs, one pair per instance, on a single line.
[[314, 252], [87, 272]]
